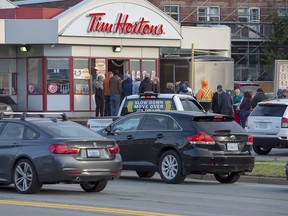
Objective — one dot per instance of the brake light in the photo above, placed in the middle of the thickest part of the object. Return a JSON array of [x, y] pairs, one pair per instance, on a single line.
[[88, 126], [148, 97], [249, 140], [201, 138], [63, 149], [114, 150], [284, 122]]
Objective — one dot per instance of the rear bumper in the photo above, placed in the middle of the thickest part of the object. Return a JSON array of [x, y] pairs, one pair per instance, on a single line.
[[220, 164], [270, 142]]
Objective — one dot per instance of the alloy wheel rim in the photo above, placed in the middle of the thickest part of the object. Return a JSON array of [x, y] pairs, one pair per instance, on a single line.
[[23, 176], [169, 167]]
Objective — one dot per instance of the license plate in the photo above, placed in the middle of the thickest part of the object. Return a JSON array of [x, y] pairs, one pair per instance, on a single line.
[[232, 147], [262, 125], [93, 153]]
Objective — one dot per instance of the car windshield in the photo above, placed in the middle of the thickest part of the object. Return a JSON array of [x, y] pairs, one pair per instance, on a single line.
[[66, 130], [275, 110]]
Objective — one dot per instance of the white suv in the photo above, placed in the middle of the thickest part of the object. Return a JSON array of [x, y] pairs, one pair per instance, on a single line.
[[268, 124]]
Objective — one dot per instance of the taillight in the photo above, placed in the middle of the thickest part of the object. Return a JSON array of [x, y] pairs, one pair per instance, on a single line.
[[249, 140], [63, 149], [284, 122], [114, 150], [88, 126], [201, 138]]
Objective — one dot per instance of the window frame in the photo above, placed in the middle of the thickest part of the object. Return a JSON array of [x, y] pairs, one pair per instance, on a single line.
[[207, 15], [170, 12]]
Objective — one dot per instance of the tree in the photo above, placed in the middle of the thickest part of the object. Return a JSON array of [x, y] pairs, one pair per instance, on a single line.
[[278, 43]]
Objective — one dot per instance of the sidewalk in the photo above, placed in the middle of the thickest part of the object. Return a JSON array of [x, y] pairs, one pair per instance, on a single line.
[[246, 179]]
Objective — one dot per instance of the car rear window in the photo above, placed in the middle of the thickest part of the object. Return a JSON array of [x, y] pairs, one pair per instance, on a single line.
[[273, 110], [66, 130], [140, 105], [189, 105], [213, 125]]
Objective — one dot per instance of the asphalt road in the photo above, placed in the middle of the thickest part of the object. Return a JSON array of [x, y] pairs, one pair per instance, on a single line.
[[131, 195]]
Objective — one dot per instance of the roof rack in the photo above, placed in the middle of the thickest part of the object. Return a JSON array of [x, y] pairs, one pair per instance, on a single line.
[[40, 114]]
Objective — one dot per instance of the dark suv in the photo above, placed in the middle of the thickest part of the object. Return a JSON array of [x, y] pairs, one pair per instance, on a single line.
[[179, 143]]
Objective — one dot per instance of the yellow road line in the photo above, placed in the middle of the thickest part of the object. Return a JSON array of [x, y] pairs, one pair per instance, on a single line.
[[83, 208]]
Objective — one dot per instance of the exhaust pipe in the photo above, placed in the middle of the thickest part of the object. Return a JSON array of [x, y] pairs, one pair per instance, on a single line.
[[78, 179]]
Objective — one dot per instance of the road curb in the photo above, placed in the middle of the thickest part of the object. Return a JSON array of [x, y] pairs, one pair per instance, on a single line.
[[246, 179]]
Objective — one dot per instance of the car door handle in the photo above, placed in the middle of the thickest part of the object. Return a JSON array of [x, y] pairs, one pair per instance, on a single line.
[[129, 137], [159, 136]]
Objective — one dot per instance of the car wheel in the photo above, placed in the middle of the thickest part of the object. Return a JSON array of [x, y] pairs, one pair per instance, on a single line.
[[96, 186], [145, 174], [170, 168], [25, 177], [260, 150], [228, 177]]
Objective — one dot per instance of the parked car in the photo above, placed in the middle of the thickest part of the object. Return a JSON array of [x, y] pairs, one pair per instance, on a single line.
[[268, 124], [148, 101], [286, 170], [179, 143], [247, 86], [36, 151]]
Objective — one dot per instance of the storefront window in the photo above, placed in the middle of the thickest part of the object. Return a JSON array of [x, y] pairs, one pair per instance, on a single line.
[[135, 68], [81, 76], [4, 83], [8, 72], [35, 76], [150, 67], [58, 76]]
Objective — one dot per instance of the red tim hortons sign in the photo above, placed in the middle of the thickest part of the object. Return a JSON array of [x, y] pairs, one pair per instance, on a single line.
[[123, 25]]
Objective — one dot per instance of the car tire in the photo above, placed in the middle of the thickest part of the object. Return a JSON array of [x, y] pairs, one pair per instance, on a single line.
[[25, 178], [96, 186], [260, 150], [170, 168], [145, 174], [227, 178]]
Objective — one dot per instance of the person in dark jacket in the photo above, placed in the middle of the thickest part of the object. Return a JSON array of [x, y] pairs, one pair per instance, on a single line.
[[214, 105], [156, 85], [260, 96], [245, 108], [146, 84], [169, 88], [127, 87], [99, 96], [225, 102], [115, 92]]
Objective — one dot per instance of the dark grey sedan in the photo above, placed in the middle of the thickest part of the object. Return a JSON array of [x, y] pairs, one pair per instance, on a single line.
[[37, 151]]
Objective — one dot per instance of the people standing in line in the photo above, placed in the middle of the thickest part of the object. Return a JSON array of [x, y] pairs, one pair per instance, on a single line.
[[107, 111], [214, 105], [225, 102], [245, 108], [169, 88], [136, 85], [204, 95], [127, 87], [115, 92], [183, 89], [190, 90], [156, 85], [260, 96], [237, 98], [99, 96], [124, 81], [146, 84], [177, 86]]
